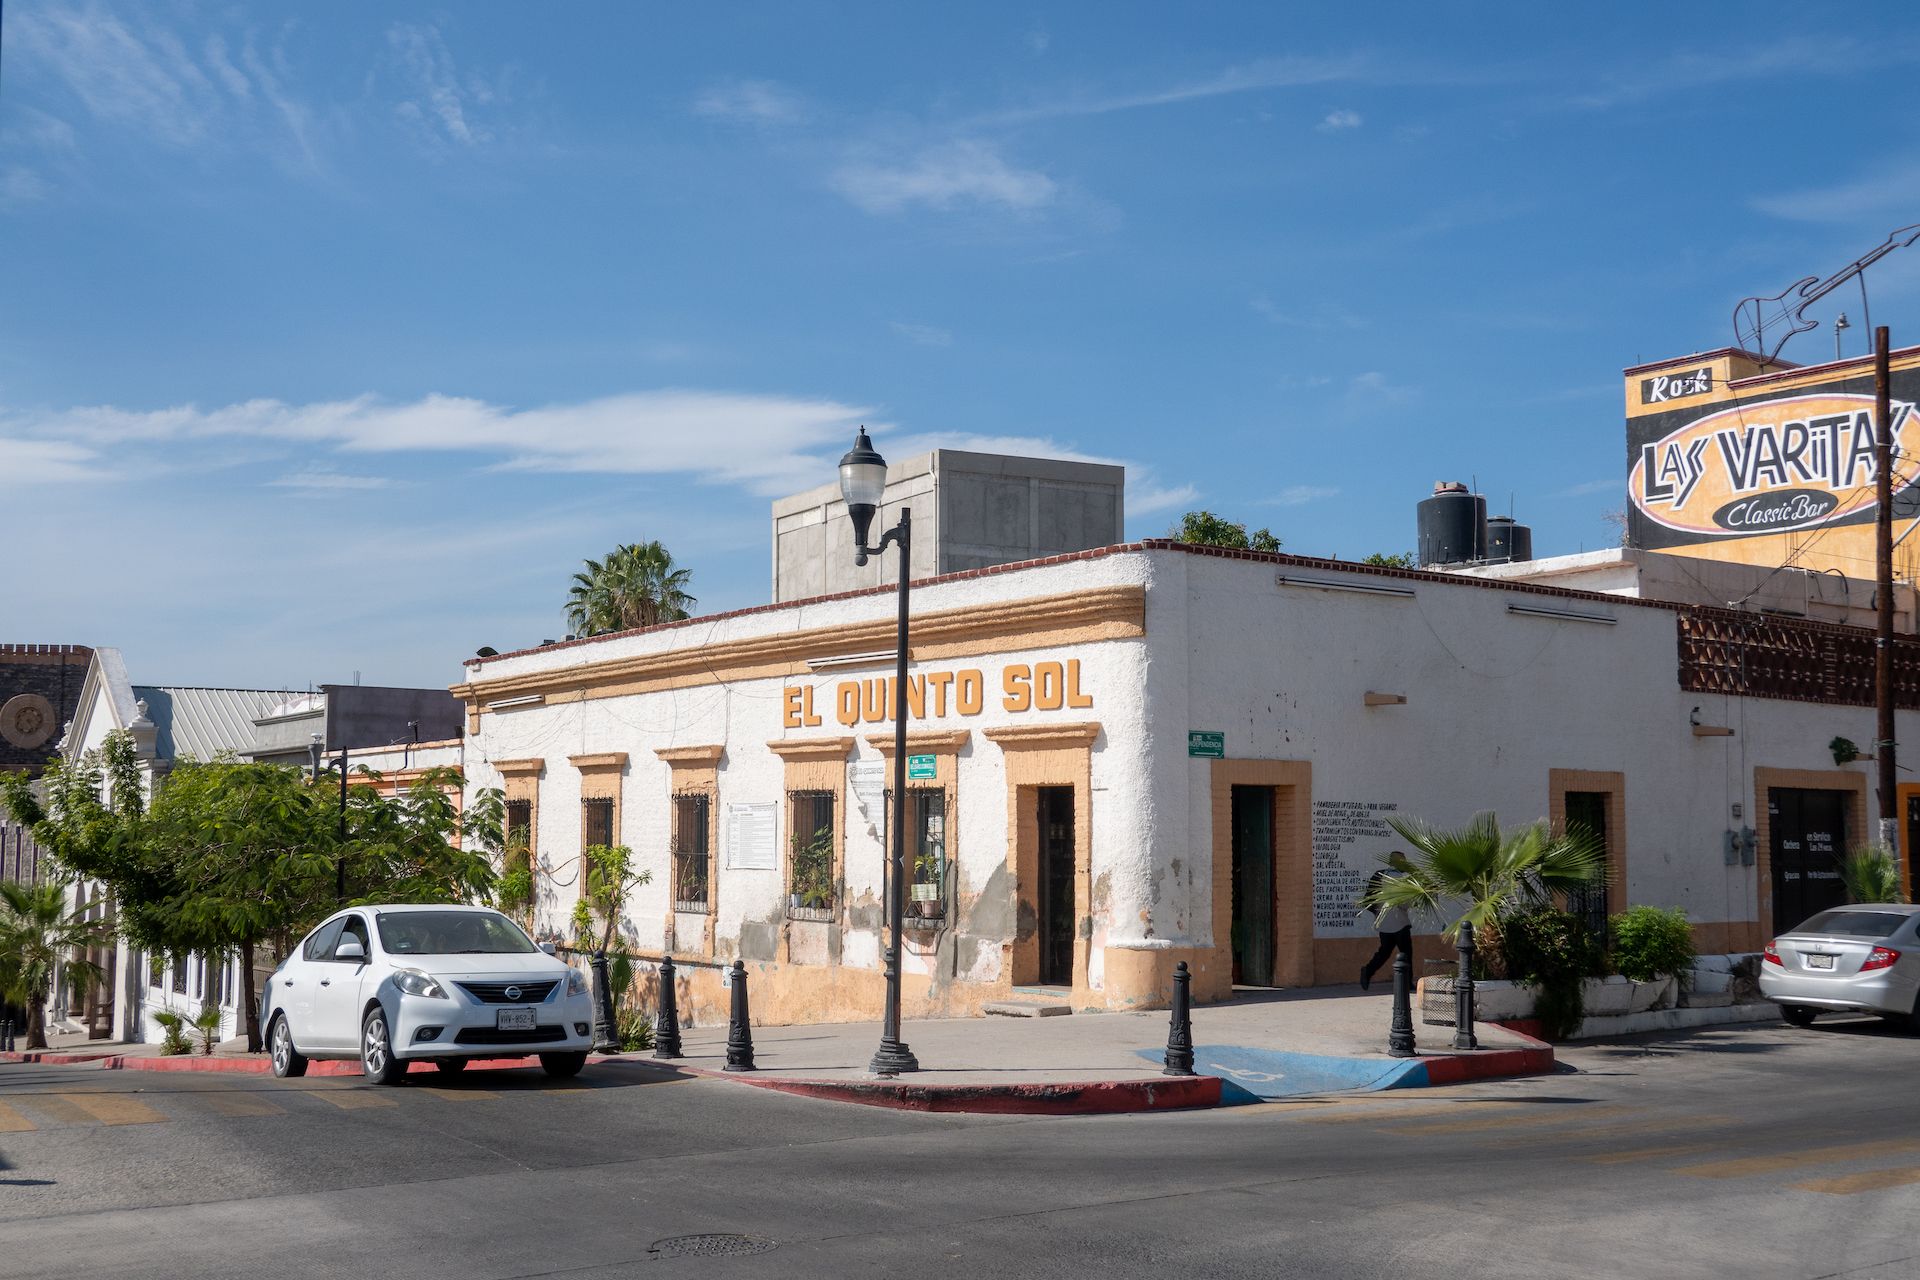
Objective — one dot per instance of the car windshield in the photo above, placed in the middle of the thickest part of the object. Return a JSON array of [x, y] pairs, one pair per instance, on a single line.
[[451, 933], [1843, 922]]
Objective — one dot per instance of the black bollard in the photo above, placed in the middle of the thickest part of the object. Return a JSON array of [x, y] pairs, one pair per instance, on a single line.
[[1179, 1058], [666, 1032], [739, 1032], [604, 1039], [1463, 1037], [6, 1036], [1400, 1039]]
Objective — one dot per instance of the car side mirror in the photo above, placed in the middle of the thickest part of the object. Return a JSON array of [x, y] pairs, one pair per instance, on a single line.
[[548, 947], [350, 949]]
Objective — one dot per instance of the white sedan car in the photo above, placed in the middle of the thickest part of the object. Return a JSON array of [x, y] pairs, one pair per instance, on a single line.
[[392, 985]]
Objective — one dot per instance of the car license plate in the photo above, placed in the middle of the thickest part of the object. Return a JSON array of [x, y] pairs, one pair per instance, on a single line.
[[514, 1020], [1817, 961]]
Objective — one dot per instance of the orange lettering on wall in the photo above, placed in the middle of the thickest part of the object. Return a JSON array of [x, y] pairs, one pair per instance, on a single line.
[[806, 708], [1075, 698], [1047, 680], [874, 700], [917, 698], [969, 692], [847, 696], [937, 682], [1016, 682], [790, 716]]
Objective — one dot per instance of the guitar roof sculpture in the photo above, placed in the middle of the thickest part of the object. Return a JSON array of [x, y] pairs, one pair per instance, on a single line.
[[1752, 319]]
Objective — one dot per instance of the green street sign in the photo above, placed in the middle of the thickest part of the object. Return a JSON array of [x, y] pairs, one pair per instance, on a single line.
[[1206, 743], [919, 766]]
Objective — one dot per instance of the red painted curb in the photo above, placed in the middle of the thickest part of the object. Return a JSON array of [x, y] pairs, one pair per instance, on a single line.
[[242, 1066], [1064, 1098], [1535, 1059]]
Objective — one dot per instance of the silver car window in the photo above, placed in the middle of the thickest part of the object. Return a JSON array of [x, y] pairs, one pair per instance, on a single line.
[[319, 945], [1845, 922]]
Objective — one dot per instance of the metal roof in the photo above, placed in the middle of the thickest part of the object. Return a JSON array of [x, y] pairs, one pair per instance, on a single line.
[[202, 723]]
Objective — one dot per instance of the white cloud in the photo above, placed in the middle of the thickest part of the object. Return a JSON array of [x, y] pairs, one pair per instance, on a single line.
[[1893, 192], [20, 185], [1794, 58], [438, 104], [31, 127], [320, 481], [956, 173], [751, 102], [1321, 317], [1145, 499], [26, 462], [1338, 120], [771, 444], [924, 335], [1038, 39], [1295, 495], [1371, 392], [1266, 73], [1615, 484]]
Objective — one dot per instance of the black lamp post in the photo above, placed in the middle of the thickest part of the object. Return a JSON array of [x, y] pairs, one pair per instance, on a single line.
[[863, 481], [340, 856]]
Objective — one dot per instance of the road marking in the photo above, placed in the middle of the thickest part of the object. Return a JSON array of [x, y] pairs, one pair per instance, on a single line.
[[113, 1108], [1852, 1184], [1506, 1120], [242, 1104], [457, 1095], [1658, 1126], [351, 1099], [1647, 1153], [1750, 1165], [12, 1121]]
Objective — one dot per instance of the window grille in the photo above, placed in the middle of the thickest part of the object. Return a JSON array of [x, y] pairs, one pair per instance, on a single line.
[[596, 822], [520, 822], [926, 852], [811, 890], [691, 850]]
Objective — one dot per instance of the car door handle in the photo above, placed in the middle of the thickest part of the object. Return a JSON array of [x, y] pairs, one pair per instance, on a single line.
[[326, 982]]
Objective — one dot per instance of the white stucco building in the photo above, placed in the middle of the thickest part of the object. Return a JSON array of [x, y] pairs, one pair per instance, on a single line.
[[1153, 752]]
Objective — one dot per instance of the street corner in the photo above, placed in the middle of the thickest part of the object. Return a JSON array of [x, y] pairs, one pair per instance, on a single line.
[[1249, 1074]]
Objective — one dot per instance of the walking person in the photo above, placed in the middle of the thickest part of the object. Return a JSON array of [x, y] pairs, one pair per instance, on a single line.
[[1394, 928]]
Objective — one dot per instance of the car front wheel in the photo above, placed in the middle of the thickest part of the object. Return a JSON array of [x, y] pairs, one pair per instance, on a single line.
[[377, 1059], [1798, 1014], [561, 1066], [288, 1062]]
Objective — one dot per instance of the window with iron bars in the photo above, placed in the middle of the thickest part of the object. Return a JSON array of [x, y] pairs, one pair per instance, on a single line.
[[810, 879], [926, 851], [691, 852], [596, 822], [520, 822]]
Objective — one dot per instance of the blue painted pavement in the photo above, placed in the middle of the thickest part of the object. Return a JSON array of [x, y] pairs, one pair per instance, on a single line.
[[1254, 1075]]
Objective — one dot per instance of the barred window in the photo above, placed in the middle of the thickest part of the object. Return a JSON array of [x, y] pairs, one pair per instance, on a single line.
[[520, 822], [597, 822], [926, 850], [691, 849], [810, 877]]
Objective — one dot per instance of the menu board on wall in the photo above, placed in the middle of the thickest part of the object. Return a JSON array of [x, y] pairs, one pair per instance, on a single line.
[[750, 845], [1351, 839]]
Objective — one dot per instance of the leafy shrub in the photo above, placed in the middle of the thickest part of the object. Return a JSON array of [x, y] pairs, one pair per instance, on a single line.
[[207, 1023], [1552, 951], [1871, 875], [173, 1035], [633, 1029], [1650, 943]]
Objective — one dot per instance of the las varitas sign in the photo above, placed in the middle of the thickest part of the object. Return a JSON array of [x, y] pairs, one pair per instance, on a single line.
[[1038, 686], [1793, 463]]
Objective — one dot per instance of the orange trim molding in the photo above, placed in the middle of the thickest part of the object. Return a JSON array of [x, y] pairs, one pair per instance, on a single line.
[[1035, 737], [798, 750], [932, 741], [520, 768], [604, 760], [691, 755]]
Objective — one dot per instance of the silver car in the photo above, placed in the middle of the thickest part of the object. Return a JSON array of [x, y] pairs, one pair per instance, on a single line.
[[1855, 959]]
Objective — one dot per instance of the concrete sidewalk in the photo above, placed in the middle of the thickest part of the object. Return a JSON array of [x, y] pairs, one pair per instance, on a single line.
[[1264, 1044], [1261, 1045]]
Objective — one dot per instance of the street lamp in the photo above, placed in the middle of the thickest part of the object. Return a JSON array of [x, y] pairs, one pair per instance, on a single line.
[[863, 481], [340, 856]]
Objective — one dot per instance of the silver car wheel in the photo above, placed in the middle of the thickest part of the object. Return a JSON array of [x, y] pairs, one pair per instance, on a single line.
[[375, 1051], [282, 1047]]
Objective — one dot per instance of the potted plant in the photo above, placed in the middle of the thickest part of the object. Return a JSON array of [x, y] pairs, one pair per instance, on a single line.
[[812, 871]]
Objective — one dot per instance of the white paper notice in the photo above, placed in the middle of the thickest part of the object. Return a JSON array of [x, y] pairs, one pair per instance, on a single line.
[[750, 837]]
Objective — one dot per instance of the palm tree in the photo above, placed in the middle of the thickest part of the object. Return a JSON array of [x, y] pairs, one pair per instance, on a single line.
[[36, 930], [1489, 871], [635, 586]]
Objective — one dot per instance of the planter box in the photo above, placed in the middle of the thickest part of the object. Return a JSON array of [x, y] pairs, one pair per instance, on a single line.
[[1497, 1000]]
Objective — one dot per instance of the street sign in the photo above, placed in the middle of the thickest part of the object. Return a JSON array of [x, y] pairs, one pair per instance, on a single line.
[[919, 766], [1206, 743]]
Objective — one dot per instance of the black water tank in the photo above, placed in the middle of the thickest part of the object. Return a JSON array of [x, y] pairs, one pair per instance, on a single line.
[[1508, 542], [1452, 525]]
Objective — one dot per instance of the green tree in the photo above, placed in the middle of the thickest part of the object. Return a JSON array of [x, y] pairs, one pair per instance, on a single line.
[[609, 877], [1203, 528], [1398, 560], [37, 932], [635, 586], [1489, 871], [484, 827], [92, 815]]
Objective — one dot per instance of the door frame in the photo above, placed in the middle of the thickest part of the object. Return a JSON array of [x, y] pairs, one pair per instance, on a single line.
[[1292, 783], [1273, 897], [1047, 755]]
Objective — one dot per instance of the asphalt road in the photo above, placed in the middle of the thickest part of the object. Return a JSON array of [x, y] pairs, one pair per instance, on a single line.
[[1756, 1153]]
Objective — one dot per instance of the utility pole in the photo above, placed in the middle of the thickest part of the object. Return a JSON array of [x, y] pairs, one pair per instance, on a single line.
[[1883, 593]]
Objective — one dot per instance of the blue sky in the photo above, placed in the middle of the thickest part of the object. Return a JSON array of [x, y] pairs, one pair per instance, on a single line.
[[334, 338]]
